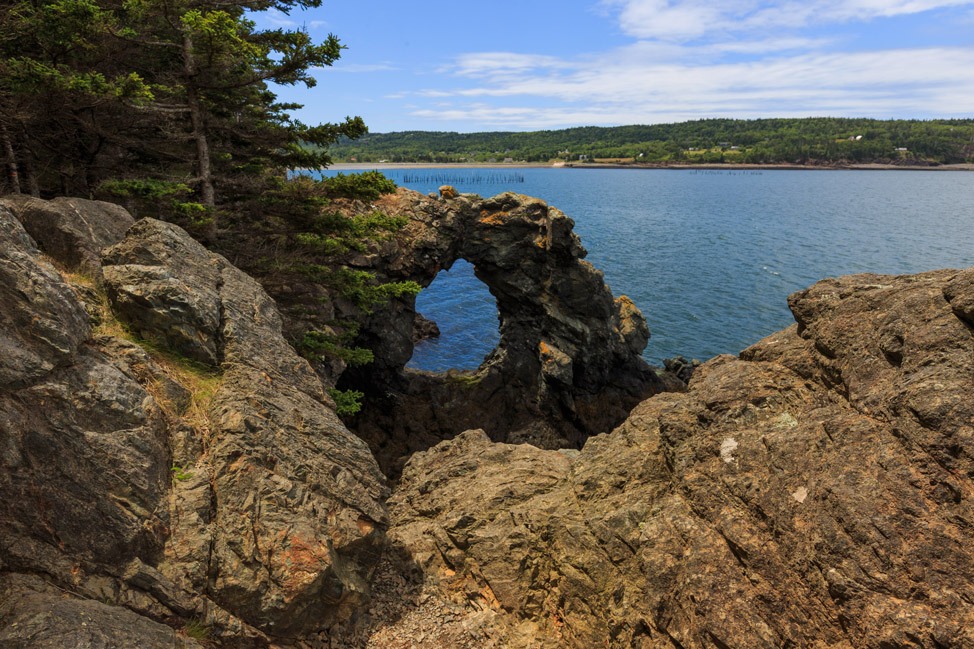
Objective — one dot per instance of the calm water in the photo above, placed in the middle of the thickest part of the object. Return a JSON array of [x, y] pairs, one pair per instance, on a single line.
[[710, 256]]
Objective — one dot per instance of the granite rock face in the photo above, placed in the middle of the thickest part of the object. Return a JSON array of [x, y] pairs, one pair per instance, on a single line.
[[207, 482], [295, 501], [816, 492], [36, 615], [43, 323]]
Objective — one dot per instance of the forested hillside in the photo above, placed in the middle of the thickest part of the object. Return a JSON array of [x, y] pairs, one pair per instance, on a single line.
[[802, 141]]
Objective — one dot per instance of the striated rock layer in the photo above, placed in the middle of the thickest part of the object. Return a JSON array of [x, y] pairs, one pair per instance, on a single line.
[[815, 492]]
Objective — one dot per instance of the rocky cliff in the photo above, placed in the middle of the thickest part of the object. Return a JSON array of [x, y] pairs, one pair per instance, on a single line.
[[175, 476], [815, 492]]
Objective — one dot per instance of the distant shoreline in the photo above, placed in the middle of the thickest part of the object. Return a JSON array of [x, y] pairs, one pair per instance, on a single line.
[[357, 166]]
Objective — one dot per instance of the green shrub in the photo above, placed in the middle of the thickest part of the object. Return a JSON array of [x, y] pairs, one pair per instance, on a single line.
[[317, 345], [165, 198], [332, 233], [367, 186], [347, 402], [361, 287]]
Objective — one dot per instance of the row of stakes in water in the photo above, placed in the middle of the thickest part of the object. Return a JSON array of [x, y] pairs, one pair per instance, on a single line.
[[458, 179]]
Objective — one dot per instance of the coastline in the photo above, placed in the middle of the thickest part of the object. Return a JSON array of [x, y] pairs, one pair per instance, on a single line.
[[360, 166]]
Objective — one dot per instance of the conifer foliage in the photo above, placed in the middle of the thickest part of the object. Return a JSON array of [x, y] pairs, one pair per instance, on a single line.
[[154, 98]]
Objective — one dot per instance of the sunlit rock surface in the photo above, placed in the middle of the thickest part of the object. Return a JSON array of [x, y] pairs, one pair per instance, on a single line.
[[816, 492], [211, 483]]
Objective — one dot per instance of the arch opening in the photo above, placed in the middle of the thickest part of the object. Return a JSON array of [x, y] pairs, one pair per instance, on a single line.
[[467, 317]]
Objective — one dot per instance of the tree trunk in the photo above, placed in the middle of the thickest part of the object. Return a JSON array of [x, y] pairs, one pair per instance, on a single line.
[[30, 176], [13, 176], [203, 168]]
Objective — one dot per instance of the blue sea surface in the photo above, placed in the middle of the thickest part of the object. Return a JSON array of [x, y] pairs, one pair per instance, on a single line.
[[709, 256]]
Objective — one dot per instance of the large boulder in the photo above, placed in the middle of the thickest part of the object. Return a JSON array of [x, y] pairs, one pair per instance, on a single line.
[[36, 615], [818, 491], [43, 323], [65, 405], [72, 230], [184, 465], [284, 501], [85, 480]]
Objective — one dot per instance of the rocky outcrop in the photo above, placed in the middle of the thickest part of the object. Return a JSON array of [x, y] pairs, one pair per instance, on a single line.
[[298, 513], [424, 328], [43, 323], [174, 476], [815, 492], [568, 363], [206, 483], [34, 614], [72, 231], [86, 470]]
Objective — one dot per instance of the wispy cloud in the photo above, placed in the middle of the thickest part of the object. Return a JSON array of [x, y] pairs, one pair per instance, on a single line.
[[628, 89], [277, 19], [491, 64], [363, 67], [689, 59], [683, 20]]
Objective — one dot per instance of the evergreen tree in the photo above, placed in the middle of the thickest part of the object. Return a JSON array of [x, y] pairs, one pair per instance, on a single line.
[[165, 90]]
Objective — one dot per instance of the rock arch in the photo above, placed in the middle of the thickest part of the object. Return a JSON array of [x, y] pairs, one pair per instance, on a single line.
[[568, 363]]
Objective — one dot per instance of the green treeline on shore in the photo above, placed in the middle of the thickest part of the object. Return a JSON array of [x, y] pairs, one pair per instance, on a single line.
[[815, 140]]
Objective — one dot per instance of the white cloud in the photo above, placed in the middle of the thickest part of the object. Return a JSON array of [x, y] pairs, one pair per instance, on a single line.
[[493, 63], [630, 89], [691, 59], [276, 18], [684, 20], [670, 21]]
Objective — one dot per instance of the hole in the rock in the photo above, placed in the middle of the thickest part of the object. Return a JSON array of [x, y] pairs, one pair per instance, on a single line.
[[466, 314]]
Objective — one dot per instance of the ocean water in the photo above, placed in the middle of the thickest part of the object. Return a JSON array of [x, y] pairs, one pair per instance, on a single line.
[[709, 256]]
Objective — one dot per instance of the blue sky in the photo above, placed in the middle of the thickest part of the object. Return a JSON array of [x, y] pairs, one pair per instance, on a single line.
[[539, 64]]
